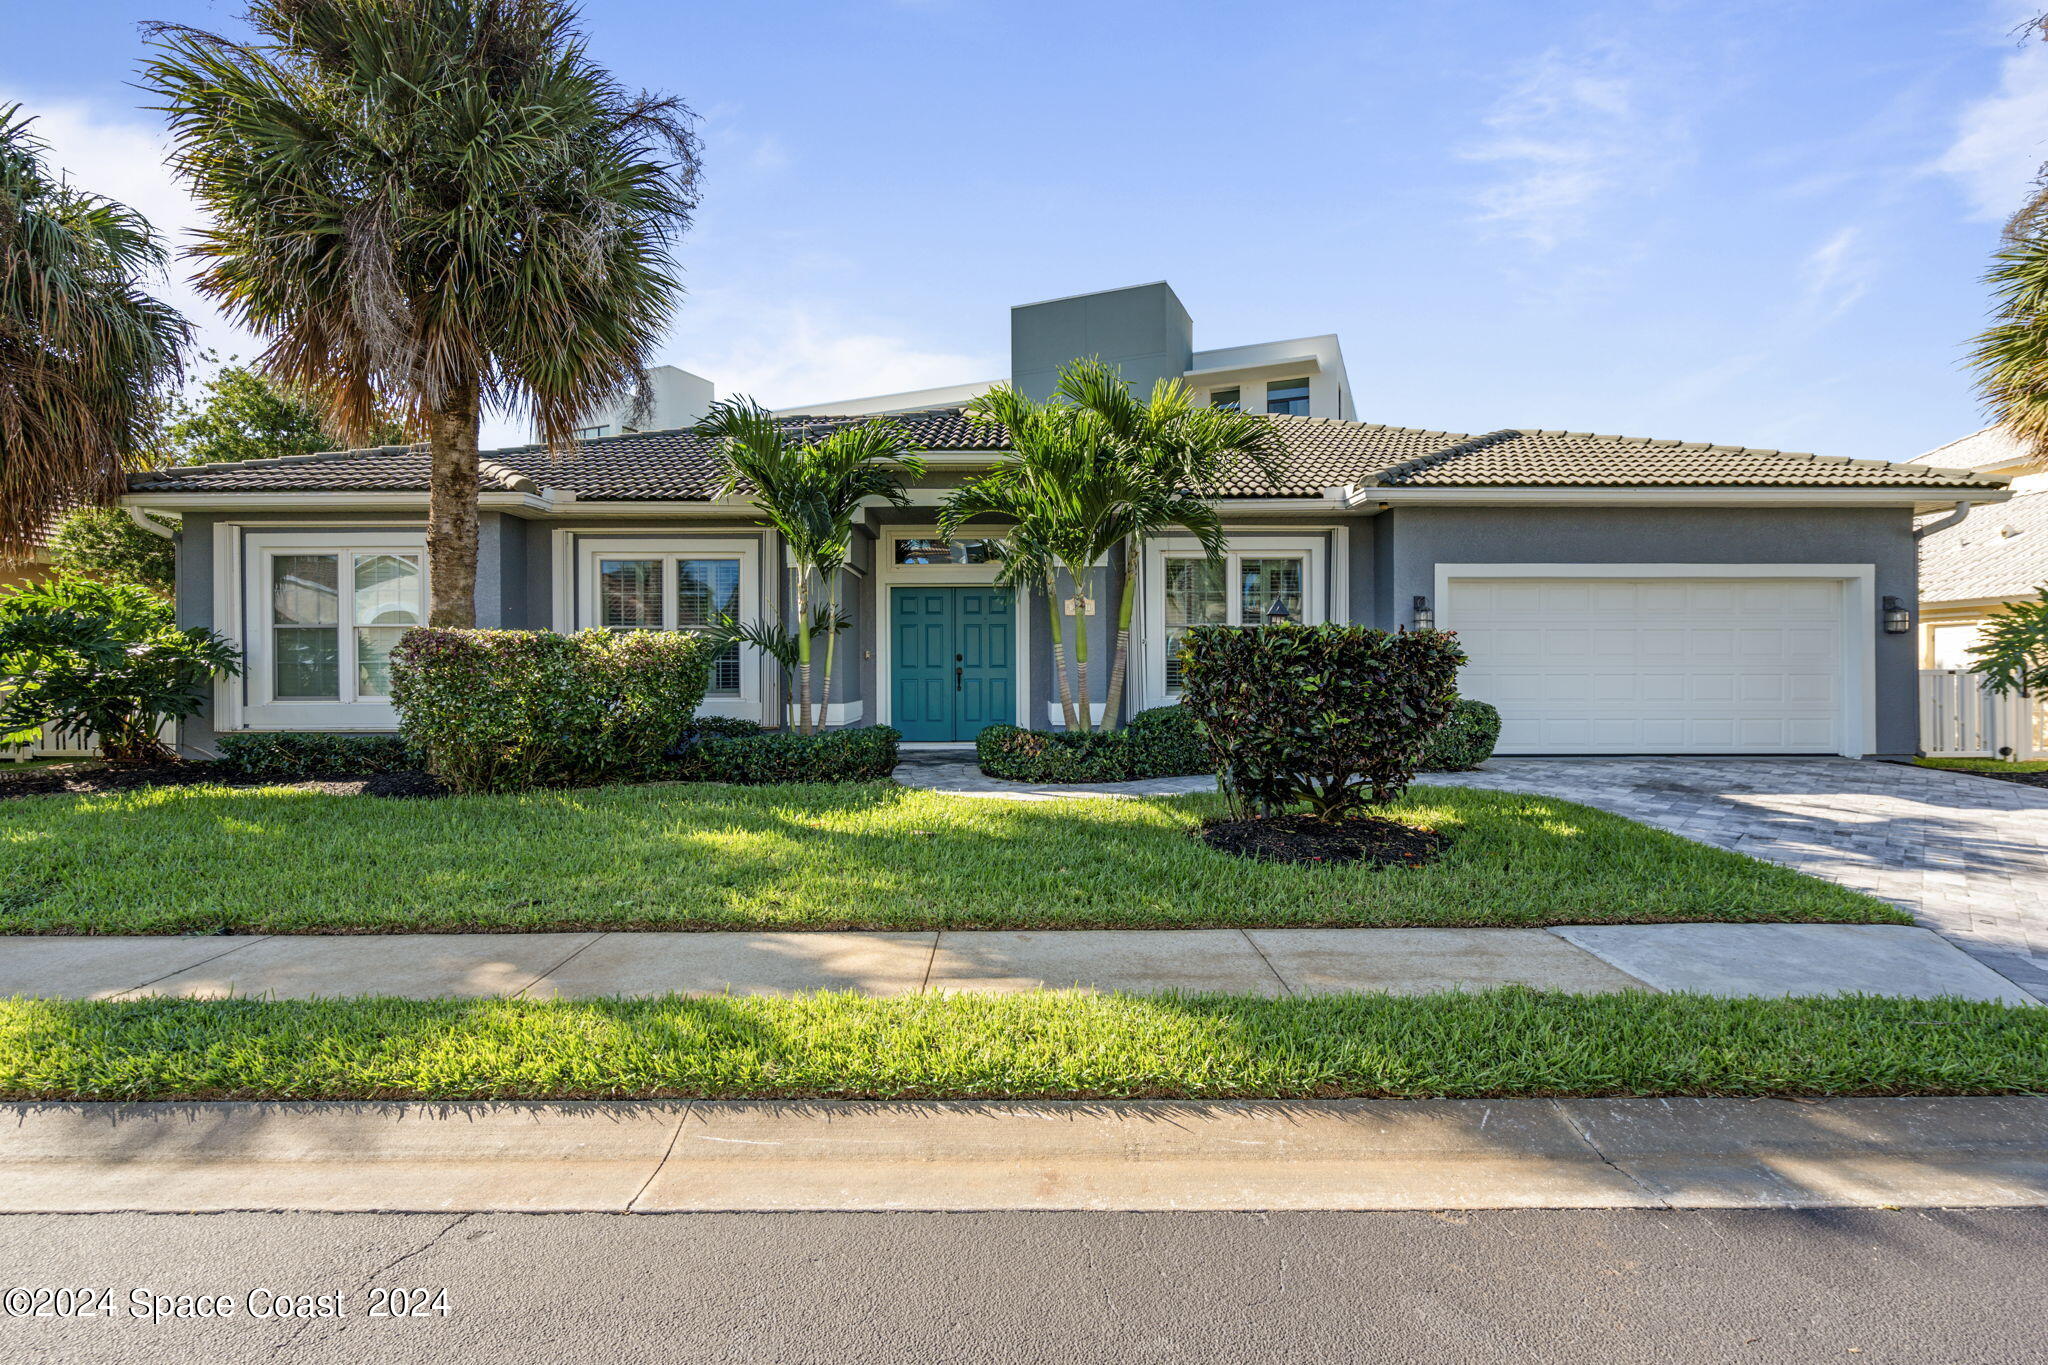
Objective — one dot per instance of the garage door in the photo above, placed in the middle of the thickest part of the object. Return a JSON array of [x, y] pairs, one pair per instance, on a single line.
[[1655, 665]]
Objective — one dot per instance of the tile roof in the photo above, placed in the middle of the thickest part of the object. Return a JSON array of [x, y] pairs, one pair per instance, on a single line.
[[1317, 453], [1999, 552]]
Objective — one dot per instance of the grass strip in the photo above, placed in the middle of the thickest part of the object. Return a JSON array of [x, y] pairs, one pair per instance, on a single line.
[[869, 856], [1994, 766], [1506, 1042]]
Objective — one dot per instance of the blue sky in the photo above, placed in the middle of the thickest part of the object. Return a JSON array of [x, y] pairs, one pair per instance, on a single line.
[[1753, 223]]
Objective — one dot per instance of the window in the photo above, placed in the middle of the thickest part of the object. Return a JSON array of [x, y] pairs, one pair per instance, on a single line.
[[1288, 396], [1184, 590], [590, 433], [1194, 597], [673, 592], [924, 550], [324, 611], [1224, 398]]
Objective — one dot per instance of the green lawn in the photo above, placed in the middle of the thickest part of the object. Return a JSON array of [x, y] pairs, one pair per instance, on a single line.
[[1038, 1046], [873, 856], [1984, 765]]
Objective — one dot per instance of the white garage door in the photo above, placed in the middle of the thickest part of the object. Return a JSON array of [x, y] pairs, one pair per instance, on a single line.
[[1655, 665]]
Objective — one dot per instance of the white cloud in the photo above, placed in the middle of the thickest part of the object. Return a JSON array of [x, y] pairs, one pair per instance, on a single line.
[[1833, 277], [1570, 137], [794, 353], [2002, 140]]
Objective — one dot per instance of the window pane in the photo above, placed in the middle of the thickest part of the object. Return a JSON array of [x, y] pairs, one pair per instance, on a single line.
[[1288, 396], [373, 658], [706, 589], [1261, 582], [1224, 398], [1194, 597], [725, 673], [629, 594], [305, 590], [931, 550], [387, 590], [308, 664]]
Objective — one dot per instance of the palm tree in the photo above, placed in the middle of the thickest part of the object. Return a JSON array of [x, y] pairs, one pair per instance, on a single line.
[[2011, 357], [810, 492], [87, 357], [442, 202]]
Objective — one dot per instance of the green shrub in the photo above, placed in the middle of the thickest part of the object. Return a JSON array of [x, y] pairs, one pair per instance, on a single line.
[[861, 754], [1334, 715], [1166, 742], [310, 754], [1464, 742], [80, 658], [1020, 755], [501, 710], [101, 543], [721, 727]]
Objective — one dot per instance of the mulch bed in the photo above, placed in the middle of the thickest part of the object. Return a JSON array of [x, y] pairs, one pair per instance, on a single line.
[[1305, 839], [88, 778], [2024, 779]]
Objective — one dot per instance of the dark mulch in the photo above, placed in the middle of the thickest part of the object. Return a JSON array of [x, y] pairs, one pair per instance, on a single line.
[[87, 778], [2024, 779], [1305, 839]]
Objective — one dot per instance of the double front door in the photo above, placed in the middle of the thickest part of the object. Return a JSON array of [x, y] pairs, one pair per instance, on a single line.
[[953, 661]]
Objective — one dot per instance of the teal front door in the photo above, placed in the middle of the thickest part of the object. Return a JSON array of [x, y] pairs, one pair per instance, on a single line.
[[952, 661]]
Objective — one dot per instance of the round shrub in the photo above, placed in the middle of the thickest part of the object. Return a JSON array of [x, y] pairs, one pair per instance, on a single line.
[[1020, 755], [861, 753], [1464, 741], [1165, 742], [312, 754]]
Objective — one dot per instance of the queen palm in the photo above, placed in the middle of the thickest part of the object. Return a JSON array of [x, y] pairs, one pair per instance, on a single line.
[[442, 202], [810, 492], [86, 354]]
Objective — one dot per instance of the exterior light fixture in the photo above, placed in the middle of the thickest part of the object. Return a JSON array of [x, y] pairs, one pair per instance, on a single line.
[[1897, 620], [1425, 619], [1278, 614]]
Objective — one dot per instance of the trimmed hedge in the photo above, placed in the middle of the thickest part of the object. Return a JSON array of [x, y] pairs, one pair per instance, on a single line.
[[503, 710], [1162, 742], [1465, 741], [309, 754], [861, 754], [1334, 715]]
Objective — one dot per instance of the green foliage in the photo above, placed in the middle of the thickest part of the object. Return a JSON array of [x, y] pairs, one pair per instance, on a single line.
[[1334, 715], [103, 543], [1464, 741], [311, 754], [859, 754], [79, 657], [504, 710], [242, 415], [721, 727], [1161, 742], [2013, 652]]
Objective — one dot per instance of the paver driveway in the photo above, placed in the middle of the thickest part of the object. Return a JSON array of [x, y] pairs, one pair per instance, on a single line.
[[1967, 855]]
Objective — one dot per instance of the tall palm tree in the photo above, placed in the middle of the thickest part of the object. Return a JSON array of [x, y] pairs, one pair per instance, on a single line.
[[810, 492], [445, 202], [86, 354], [2011, 356]]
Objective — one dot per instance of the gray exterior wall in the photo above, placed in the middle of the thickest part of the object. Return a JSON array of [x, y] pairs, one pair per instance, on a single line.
[[1143, 330]]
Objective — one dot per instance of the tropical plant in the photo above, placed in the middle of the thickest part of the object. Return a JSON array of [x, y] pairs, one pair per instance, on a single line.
[[86, 354], [2012, 653], [809, 492], [84, 658], [442, 204], [240, 414], [101, 543], [2011, 356]]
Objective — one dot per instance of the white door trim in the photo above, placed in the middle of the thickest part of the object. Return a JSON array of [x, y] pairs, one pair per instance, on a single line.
[[889, 574], [1859, 617]]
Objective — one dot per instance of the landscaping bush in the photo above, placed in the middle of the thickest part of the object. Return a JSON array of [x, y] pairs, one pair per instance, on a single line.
[[720, 727], [1334, 715], [1162, 742], [1166, 742], [861, 754], [80, 658], [1464, 741], [300, 755], [501, 710]]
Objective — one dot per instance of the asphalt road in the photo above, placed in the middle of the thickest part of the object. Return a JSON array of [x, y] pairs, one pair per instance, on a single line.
[[1865, 1285]]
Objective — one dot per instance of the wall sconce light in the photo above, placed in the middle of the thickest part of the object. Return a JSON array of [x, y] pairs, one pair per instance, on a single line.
[[1897, 620], [1425, 619], [1278, 614]]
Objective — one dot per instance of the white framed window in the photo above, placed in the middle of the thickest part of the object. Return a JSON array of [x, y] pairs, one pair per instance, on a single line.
[[321, 613], [1261, 579], [676, 583]]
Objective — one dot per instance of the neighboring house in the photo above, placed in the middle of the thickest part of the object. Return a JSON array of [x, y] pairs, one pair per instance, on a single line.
[[1616, 594], [674, 398], [1973, 569]]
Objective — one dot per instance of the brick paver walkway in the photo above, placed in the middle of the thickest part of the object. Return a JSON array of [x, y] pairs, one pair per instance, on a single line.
[[1967, 855]]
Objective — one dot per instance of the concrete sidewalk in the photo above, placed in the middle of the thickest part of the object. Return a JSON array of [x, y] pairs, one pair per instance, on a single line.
[[1249, 1155], [1718, 959]]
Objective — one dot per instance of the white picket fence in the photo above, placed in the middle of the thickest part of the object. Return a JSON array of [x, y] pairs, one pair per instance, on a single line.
[[44, 746], [1960, 718]]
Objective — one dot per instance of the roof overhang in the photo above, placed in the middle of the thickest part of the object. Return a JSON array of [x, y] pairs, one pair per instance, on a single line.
[[1297, 363], [1374, 497]]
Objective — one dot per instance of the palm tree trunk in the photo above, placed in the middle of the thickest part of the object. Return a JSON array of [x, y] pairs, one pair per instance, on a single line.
[[451, 510], [1087, 707], [1120, 663], [803, 651], [1059, 650], [831, 613]]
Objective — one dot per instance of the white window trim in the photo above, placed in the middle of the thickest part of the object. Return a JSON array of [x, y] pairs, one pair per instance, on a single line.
[[1316, 598], [1859, 617], [747, 705], [251, 605], [889, 574]]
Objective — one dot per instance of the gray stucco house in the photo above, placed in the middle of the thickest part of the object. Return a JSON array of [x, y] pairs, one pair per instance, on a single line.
[[1616, 594]]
